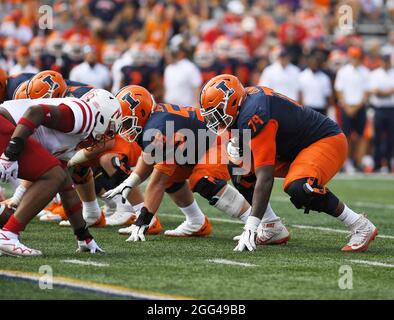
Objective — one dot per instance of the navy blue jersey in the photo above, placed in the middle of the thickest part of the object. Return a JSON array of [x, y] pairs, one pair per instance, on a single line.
[[14, 81], [77, 89], [171, 121], [298, 127]]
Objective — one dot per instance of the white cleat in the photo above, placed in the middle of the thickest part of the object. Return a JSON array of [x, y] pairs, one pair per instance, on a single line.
[[274, 232], [11, 246], [121, 218], [186, 229], [91, 221], [108, 210], [363, 232], [49, 217]]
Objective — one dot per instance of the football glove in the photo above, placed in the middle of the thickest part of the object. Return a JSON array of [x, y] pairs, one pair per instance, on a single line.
[[8, 169], [89, 246], [124, 188], [247, 239], [140, 227]]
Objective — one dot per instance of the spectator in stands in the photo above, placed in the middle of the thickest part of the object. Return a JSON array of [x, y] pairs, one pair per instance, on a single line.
[[381, 86], [15, 26], [371, 9], [182, 79], [351, 89], [315, 86], [90, 71], [23, 62], [282, 76]]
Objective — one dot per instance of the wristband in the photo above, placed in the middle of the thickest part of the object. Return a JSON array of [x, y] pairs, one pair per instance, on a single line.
[[144, 217], [78, 158], [252, 223], [14, 148], [27, 123], [133, 180]]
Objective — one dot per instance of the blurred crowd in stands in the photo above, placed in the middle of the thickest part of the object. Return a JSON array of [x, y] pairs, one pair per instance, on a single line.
[[171, 47]]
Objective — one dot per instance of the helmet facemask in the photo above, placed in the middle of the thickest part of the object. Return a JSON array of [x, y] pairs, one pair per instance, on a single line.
[[216, 118]]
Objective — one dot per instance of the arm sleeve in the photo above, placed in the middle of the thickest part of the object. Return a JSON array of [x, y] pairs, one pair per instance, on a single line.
[[263, 145]]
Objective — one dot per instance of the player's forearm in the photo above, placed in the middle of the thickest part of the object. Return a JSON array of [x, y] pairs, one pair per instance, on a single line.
[[262, 191], [143, 169]]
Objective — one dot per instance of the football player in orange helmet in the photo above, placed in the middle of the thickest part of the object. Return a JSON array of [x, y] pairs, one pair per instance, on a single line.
[[45, 84], [140, 114], [287, 140]]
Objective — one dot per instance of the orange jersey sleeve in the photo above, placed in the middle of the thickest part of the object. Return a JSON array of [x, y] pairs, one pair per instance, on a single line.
[[263, 145]]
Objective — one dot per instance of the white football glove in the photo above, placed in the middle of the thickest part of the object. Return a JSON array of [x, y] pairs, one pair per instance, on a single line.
[[8, 169], [248, 237], [140, 227], [91, 246], [124, 188]]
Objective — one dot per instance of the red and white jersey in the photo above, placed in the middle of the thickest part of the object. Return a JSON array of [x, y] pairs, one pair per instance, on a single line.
[[61, 145]]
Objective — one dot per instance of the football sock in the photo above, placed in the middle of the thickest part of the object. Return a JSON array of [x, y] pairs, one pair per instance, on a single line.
[[348, 216], [269, 215], [243, 217], [193, 213], [14, 226], [91, 209]]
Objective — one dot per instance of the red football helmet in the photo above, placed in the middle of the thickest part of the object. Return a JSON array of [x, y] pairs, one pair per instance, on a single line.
[[3, 84], [137, 105], [46, 84], [220, 100]]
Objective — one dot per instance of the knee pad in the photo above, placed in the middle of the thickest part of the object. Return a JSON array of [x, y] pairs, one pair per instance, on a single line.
[[209, 187], [245, 185], [230, 201], [175, 187], [81, 174], [308, 194]]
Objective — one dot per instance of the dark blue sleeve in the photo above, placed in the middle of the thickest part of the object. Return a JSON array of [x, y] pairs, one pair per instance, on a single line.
[[13, 83]]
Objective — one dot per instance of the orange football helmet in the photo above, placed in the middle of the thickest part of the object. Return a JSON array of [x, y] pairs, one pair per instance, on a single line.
[[3, 84], [21, 91], [137, 105], [46, 84], [220, 100]]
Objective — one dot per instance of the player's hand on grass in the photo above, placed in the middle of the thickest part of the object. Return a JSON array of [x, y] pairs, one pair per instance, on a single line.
[[141, 226], [247, 239], [89, 246], [8, 169]]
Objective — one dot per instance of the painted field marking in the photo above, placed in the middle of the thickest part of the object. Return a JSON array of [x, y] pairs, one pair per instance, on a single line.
[[299, 226], [86, 263], [232, 263], [95, 287], [373, 263]]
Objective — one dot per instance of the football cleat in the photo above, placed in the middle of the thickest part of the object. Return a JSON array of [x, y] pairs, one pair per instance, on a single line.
[[273, 232], [362, 233], [154, 228], [108, 210], [99, 222], [186, 229], [11, 246], [121, 218]]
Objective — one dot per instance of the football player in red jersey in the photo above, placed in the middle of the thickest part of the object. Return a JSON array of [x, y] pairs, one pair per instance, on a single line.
[[140, 115], [37, 137], [287, 140]]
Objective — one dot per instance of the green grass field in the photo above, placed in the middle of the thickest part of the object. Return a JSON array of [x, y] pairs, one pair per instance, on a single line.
[[306, 268]]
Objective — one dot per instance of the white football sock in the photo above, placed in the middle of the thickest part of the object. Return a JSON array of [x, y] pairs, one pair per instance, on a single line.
[[243, 217], [348, 216], [269, 215], [193, 213], [91, 209]]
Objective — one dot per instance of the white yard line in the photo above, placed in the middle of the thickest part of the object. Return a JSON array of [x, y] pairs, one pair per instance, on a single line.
[[95, 287], [373, 263], [231, 263], [299, 226], [86, 263]]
